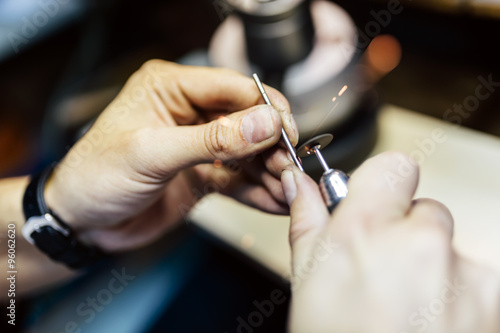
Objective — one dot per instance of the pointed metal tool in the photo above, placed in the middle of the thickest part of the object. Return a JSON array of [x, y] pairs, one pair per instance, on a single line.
[[288, 144], [333, 183]]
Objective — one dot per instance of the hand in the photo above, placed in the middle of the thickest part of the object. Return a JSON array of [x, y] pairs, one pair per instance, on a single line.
[[172, 135], [382, 262]]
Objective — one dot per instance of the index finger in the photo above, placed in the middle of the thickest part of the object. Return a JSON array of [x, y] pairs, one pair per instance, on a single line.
[[221, 89]]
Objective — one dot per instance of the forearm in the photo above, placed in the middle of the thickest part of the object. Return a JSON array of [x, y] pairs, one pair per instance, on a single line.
[[34, 269]]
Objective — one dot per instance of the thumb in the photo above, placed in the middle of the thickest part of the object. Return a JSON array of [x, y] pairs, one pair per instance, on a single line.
[[235, 136], [308, 213]]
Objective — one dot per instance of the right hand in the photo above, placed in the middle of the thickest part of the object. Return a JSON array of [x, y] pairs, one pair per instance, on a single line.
[[382, 262]]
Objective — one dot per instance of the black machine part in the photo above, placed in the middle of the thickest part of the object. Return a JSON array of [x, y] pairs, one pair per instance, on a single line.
[[278, 33]]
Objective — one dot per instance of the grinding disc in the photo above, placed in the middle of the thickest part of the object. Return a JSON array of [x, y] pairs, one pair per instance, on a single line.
[[321, 141]]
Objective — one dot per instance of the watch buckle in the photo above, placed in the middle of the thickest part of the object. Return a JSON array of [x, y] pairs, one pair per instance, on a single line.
[[34, 223]]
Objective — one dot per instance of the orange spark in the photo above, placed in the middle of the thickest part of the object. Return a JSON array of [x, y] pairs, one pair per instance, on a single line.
[[344, 88]]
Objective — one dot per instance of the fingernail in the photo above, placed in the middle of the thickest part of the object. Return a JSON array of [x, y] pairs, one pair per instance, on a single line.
[[289, 187], [258, 126]]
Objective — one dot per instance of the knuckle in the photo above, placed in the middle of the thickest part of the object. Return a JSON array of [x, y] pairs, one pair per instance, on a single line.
[[436, 213], [431, 240], [152, 67], [216, 140], [279, 100], [137, 141], [137, 146], [152, 64], [300, 228]]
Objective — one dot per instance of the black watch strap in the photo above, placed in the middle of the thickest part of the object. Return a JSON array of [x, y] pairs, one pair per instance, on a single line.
[[34, 199], [48, 232]]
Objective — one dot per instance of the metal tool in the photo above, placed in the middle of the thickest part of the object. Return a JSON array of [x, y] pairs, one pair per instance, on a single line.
[[333, 183], [288, 144]]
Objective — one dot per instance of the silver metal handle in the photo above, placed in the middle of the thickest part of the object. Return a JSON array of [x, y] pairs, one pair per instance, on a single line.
[[333, 186]]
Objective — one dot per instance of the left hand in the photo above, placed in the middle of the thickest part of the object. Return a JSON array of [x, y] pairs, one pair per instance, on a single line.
[[173, 134]]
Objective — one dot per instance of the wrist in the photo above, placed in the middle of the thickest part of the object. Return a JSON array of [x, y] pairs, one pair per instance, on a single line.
[[49, 232], [12, 190], [60, 201], [65, 198]]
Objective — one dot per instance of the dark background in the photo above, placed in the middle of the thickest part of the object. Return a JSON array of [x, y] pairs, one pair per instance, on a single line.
[[443, 54]]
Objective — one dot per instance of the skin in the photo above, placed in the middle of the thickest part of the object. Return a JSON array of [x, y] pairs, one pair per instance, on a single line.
[[382, 262], [149, 157], [159, 153]]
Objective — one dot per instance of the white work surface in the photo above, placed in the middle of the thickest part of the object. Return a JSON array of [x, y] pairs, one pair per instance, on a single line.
[[463, 173]]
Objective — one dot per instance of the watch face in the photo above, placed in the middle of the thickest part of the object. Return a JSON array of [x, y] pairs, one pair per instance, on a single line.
[[34, 223]]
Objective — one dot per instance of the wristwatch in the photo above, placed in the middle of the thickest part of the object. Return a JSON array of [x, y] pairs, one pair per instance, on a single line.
[[48, 232]]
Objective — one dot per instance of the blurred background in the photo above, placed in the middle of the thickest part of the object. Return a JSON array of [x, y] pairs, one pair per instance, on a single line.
[[62, 62], [61, 72]]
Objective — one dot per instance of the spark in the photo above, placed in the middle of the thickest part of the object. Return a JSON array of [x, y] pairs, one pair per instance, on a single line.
[[247, 241], [344, 88]]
